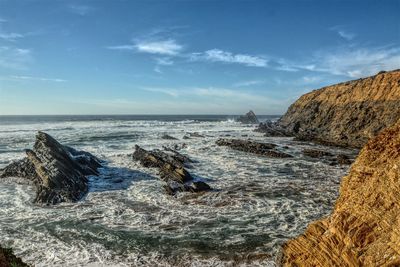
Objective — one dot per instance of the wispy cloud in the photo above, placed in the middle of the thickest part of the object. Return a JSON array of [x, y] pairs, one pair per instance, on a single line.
[[18, 77], [217, 55], [165, 61], [81, 10], [122, 47], [359, 62], [342, 32], [169, 47], [248, 83], [14, 58], [165, 47], [10, 36]]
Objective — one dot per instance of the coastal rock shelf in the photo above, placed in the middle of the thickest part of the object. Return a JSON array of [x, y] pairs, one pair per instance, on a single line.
[[364, 227], [345, 114], [264, 149], [59, 172], [171, 168]]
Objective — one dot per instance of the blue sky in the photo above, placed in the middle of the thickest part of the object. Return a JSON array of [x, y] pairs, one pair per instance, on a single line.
[[186, 57]]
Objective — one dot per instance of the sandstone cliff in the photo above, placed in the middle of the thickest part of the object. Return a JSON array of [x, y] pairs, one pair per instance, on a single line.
[[345, 114], [364, 227]]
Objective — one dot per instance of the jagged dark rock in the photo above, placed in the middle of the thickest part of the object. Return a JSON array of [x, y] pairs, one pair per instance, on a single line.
[[168, 137], [314, 153], [8, 259], [264, 149], [171, 168], [249, 118], [270, 128], [343, 159], [59, 172]]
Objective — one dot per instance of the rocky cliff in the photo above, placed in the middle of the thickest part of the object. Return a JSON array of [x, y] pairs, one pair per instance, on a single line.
[[345, 114], [364, 227]]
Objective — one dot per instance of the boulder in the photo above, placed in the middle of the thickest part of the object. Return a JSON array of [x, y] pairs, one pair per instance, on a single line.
[[271, 129], [249, 118], [59, 172], [264, 149], [171, 168], [168, 137]]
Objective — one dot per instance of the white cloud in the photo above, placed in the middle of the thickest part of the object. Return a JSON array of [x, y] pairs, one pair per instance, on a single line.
[[248, 83], [166, 47], [17, 77], [14, 58], [346, 35], [164, 61], [167, 91], [217, 55], [122, 47], [10, 36], [360, 62]]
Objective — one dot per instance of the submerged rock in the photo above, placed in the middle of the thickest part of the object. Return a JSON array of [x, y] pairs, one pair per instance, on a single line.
[[345, 114], [168, 137], [314, 153], [343, 159], [249, 118], [264, 149], [363, 229], [59, 172], [171, 168]]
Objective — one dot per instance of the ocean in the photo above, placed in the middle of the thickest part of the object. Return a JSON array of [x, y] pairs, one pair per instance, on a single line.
[[126, 219]]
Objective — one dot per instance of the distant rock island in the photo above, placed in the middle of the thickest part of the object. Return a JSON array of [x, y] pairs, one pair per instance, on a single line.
[[249, 118]]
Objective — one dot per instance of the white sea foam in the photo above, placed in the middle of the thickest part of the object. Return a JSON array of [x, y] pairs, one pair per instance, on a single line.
[[127, 220]]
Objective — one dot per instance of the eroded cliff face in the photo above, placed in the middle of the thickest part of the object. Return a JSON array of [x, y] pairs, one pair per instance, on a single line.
[[364, 227], [346, 114]]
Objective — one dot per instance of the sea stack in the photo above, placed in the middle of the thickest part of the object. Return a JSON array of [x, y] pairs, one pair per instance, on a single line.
[[249, 118], [59, 172], [364, 227]]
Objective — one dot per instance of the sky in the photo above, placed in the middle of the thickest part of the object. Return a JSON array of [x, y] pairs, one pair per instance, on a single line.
[[186, 57]]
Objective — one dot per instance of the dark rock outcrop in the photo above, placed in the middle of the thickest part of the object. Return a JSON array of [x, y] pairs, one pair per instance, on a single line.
[[364, 226], [8, 259], [314, 153], [249, 118], [59, 172], [270, 128], [264, 149], [168, 137], [171, 168], [345, 114]]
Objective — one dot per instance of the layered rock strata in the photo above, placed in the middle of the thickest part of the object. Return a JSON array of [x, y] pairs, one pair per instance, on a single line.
[[364, 227], [59, 172]]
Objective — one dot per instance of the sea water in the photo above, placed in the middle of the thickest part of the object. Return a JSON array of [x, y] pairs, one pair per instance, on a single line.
[[127, 219]]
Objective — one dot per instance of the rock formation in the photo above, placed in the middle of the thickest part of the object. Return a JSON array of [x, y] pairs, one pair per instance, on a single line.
[[59, 172], [364, 227], [264, 149], [172, 170], [249, 118], [8, 259], [345, 114]]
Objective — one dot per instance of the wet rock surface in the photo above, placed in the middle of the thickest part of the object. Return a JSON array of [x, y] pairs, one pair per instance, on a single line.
[[272, 129], [8, 259], [59, 172], [168, 137], [264, 149], [315, 153], [249, 118], [171, 168]]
